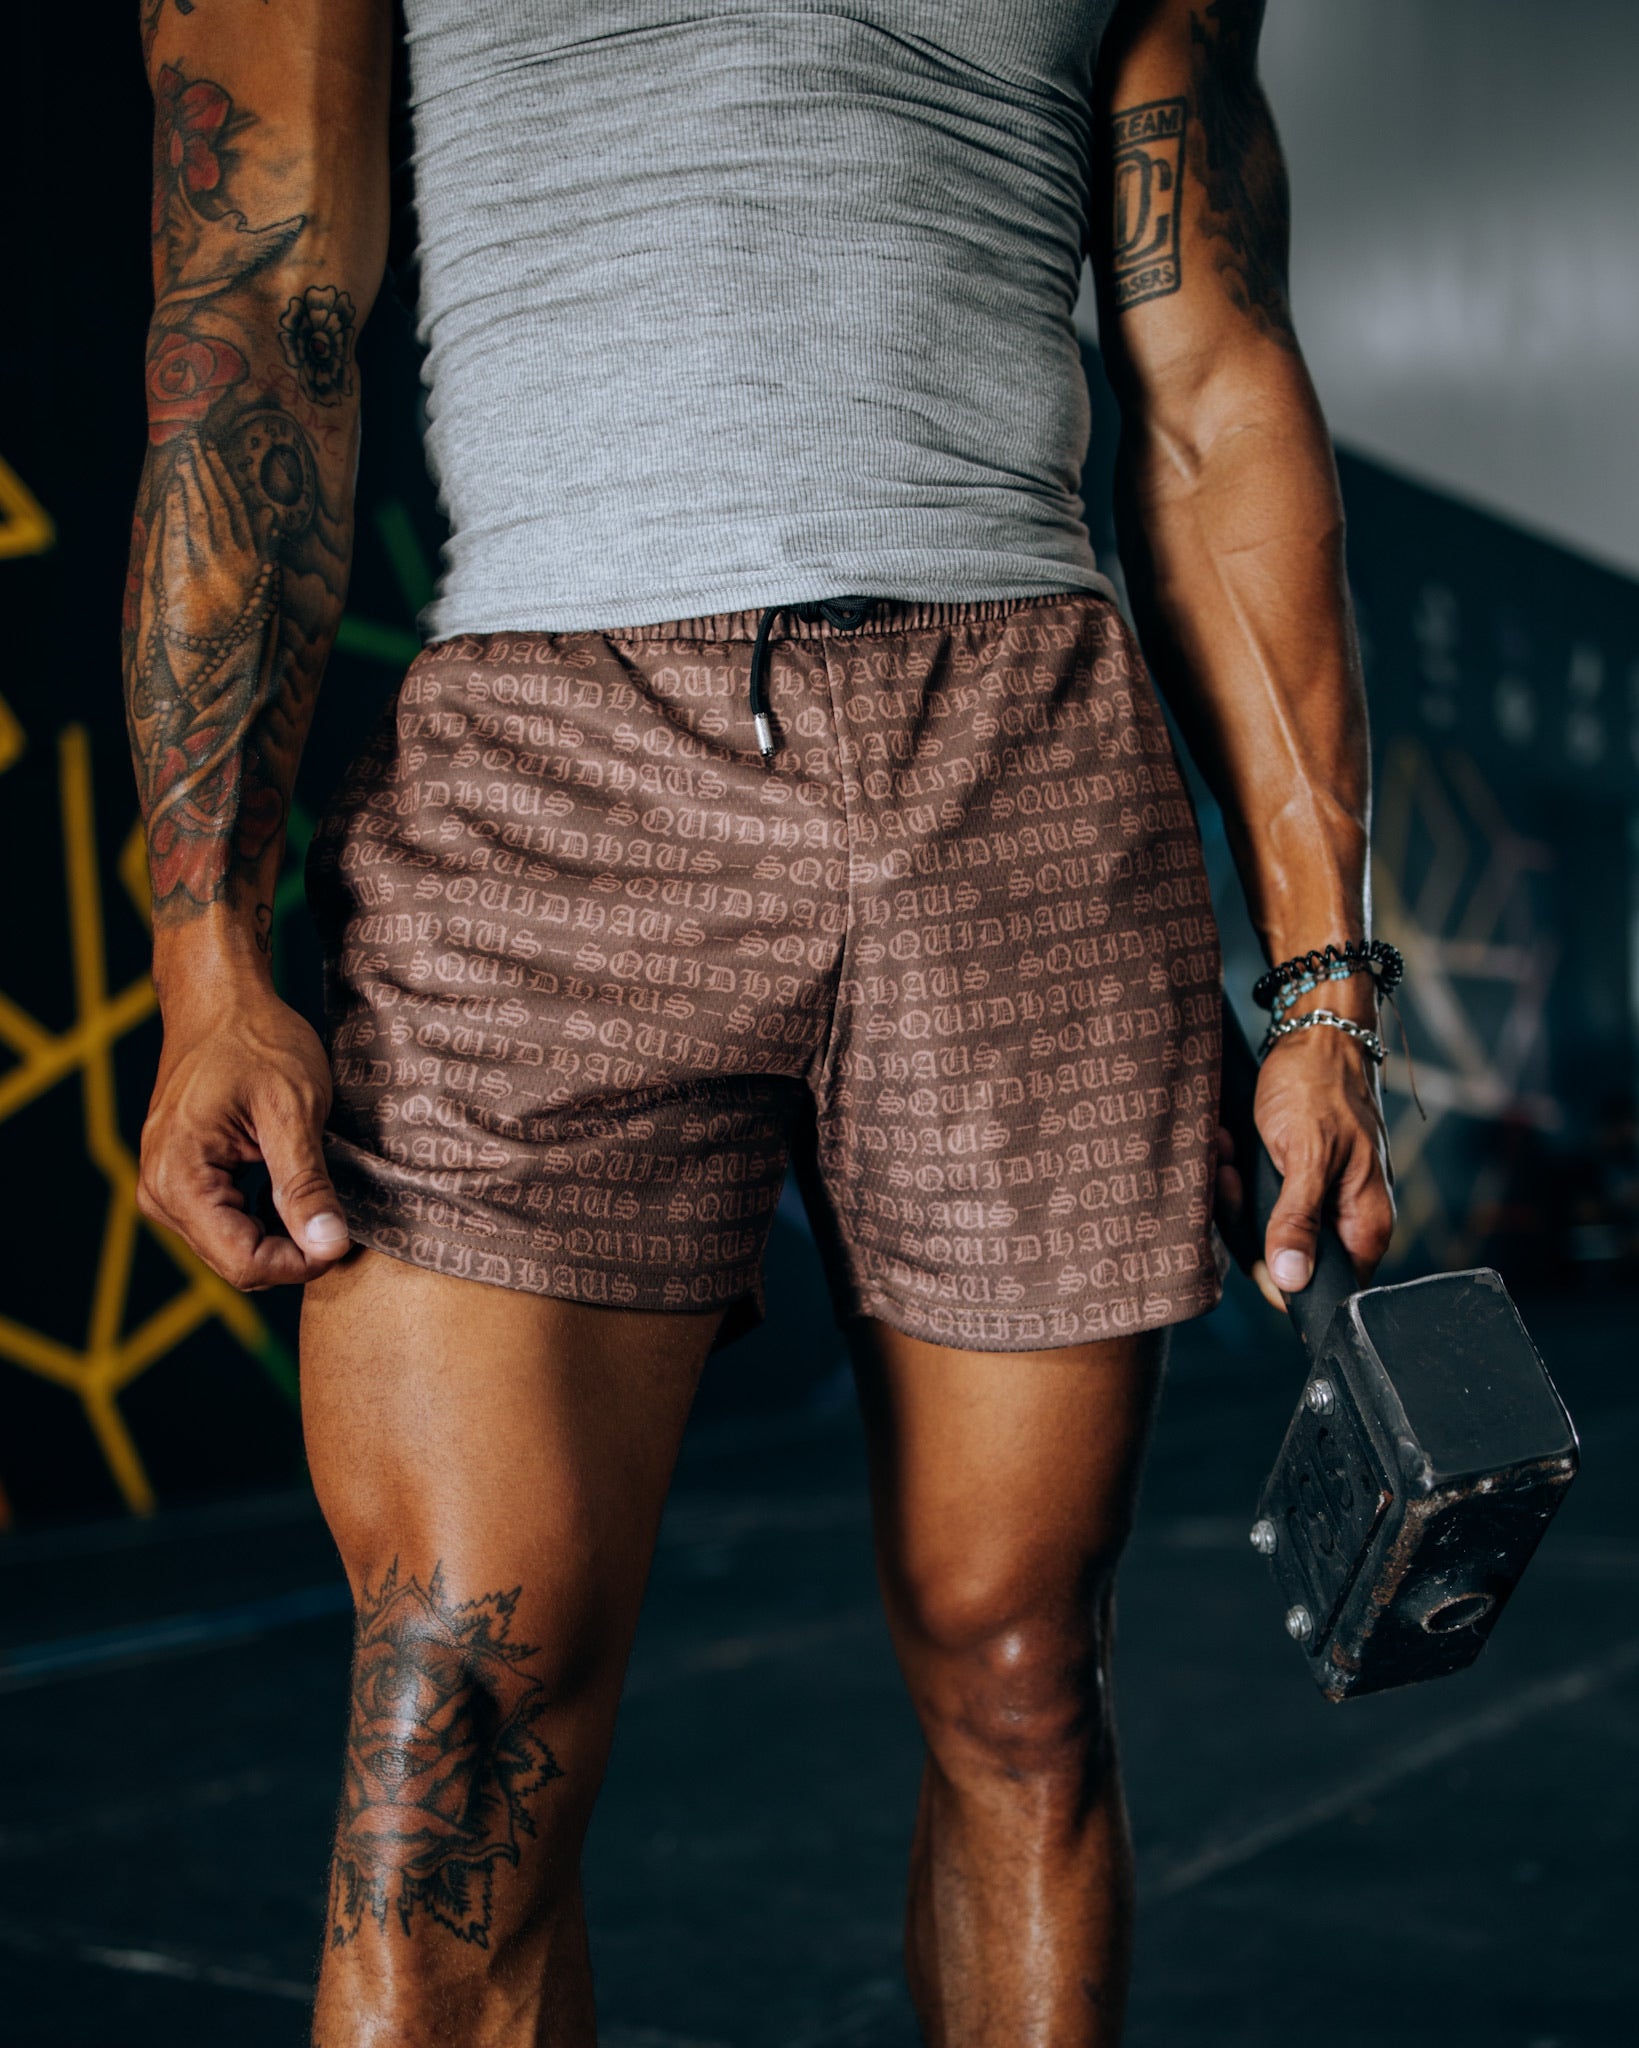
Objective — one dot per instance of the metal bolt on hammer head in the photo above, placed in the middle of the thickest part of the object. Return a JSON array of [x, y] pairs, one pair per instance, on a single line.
[[1264, 1536], [1300, 1624], [1321, 1397]]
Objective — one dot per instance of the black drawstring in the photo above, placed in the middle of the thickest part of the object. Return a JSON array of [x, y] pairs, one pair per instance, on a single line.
[[847, 614]]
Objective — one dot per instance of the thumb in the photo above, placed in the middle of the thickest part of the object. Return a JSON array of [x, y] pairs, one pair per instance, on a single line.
[[302, 1194], [1294, 1226]]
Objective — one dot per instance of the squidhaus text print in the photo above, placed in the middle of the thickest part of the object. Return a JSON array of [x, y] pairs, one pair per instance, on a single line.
[[589, 953]]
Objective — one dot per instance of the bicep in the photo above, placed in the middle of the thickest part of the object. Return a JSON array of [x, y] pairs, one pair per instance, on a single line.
[[270, 143], [1188, 226]]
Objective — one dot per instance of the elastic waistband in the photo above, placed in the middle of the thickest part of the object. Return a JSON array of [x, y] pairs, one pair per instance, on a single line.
[[890, 616], [718, 629]]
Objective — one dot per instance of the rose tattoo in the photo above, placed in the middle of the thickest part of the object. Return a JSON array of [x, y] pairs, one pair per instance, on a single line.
[[186, 376], [191, 119], [442, 1759]]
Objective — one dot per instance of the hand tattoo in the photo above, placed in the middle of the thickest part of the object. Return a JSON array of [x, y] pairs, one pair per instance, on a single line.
[[443, 1759]]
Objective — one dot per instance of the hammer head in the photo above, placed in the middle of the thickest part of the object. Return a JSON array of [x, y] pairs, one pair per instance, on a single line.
[[1428, 1453]]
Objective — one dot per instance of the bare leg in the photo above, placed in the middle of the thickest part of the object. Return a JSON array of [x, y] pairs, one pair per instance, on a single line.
[[1004, 1488], [493, 1468]]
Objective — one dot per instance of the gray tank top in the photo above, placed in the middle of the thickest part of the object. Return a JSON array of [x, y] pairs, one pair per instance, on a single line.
[[734, 305]]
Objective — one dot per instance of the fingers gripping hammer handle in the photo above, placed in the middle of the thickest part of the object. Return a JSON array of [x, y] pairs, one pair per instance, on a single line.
[[1334, 1277]]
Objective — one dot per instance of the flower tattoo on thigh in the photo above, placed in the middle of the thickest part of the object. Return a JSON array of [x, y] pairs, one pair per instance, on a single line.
[[442, 1761]]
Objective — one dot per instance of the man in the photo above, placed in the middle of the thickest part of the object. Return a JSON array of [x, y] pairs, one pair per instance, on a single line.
[[781, 777]]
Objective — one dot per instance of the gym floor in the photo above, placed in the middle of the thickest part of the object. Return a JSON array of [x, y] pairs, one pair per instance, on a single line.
[[1449, 1865]]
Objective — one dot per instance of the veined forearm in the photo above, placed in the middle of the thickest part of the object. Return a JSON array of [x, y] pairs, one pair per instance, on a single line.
[[1234, 548], [242, 535], [1231, 525]]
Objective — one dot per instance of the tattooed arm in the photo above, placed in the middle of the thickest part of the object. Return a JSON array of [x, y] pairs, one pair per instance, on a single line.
[[1232, 539], [269, 234]]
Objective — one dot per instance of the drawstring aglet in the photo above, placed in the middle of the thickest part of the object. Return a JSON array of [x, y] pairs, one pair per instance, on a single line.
[[757, 686], [848, 613]]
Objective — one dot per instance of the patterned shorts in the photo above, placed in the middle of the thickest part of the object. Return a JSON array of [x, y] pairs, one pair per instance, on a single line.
[[596, 972]]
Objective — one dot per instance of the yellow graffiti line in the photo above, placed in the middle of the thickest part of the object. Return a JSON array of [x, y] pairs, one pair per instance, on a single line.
[[102, 1125], [13, 745], [225, 1302], [41, 1354], [76, 1047], [118, 1248], [163, 1331], [79, 862], [228, 1305], [118, 1450], [109, 1362], [20, 1031], [25, 525], [119, 1243]]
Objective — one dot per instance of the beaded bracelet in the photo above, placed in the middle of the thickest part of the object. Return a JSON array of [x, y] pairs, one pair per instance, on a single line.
[[1280, 988], [1368, 1041]]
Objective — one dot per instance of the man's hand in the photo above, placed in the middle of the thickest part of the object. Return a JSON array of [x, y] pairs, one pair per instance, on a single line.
[[242, 1078], [1319, 1112]]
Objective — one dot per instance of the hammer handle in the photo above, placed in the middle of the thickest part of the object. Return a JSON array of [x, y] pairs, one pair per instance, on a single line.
[[1334, 1278]]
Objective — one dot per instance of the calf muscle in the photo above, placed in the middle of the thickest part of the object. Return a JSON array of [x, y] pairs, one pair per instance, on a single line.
[[1004, 1489]]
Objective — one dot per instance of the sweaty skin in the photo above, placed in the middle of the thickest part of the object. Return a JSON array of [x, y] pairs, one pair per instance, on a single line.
[[497, 1525], [1232, 541]]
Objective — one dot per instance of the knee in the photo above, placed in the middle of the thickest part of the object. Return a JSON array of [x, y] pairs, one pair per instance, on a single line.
[[1012, 1679], [457, 1741]]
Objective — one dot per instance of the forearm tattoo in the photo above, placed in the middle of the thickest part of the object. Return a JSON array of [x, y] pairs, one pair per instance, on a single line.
[[242, 533], [443, 1760], [1223, 137]]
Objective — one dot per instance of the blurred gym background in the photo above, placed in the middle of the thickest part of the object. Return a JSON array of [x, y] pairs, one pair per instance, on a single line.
[[1466, 283]]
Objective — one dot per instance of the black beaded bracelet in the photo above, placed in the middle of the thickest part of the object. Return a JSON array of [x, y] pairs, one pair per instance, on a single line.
[[1376, 957]]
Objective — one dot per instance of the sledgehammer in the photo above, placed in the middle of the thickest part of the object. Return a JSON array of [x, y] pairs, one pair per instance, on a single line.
[[1428, 1453]]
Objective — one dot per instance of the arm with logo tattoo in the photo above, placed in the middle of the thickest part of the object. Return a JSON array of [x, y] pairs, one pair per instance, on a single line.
[[1232, 539], [269, 231]]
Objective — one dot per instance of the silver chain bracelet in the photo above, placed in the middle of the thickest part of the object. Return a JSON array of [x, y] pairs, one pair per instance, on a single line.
[[1368, 1041]]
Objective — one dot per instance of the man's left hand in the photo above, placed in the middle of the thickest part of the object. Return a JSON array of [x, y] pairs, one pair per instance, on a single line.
[[1319, 1111]]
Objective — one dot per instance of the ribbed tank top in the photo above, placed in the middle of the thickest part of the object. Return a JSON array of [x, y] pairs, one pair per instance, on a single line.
[[733, 305]]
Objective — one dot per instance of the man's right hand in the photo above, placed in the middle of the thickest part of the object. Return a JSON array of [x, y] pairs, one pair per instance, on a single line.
[[241, 1078]]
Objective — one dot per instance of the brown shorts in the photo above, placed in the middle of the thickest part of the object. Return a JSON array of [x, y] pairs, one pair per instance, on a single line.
[[595, 971]]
